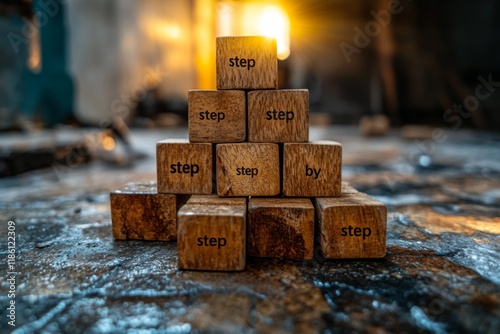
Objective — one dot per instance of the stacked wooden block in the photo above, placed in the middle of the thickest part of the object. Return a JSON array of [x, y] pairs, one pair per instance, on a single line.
[[249, 143]]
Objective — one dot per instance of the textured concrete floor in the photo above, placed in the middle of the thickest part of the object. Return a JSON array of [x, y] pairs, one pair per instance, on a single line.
[[441, 273]]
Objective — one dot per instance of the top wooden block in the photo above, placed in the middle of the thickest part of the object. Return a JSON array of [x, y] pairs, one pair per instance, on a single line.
[[246, 62]]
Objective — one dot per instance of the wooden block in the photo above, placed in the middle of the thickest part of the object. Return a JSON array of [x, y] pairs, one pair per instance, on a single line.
[[139, 212], [248, 169], [281, 228], [374, 125], [278, 116], [351, 226], [248, 62], [216, 200], [183, 167], [312, 169], [217, 116], [212, 237], [348, 189]]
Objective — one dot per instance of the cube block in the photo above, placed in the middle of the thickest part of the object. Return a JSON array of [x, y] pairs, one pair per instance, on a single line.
[[139, 212], [312, 169], [278, 116], [248, 169], [217, 116], [183, 167], [212, 237], [351, 226], [248, 62], [281, 228]]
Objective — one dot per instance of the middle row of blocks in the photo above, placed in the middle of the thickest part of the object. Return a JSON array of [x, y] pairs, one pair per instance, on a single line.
[[275, 116], [249, 169]]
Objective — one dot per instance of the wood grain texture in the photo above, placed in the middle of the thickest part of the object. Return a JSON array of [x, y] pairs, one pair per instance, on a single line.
[[216, 200], [281, 228], [230, 123], [261, 159], [173, 151], [263, 75], [351, 226], [312, 169], [278, 116], [222, 230], [139, 212]]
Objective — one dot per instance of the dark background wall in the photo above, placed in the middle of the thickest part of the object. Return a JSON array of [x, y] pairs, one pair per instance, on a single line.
[[427, 59], [415, 69]]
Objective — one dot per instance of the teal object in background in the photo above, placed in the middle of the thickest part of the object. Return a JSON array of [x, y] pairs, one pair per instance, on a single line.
[[51, 91], [13, 58], [48, 94]]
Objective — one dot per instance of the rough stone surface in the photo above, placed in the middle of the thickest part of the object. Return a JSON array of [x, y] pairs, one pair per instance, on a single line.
[[440, 275]]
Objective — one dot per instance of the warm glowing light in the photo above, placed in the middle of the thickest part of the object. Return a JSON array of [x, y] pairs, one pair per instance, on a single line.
[[172, 31], [163, 30], [108, 143], [274, 22], [254, 18], [35, 55]]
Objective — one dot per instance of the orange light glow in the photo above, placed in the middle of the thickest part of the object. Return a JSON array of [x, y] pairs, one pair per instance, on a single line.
[[160, 29], [274, 22], [108, 143], [172, 31], [35, 55], [249, 18]]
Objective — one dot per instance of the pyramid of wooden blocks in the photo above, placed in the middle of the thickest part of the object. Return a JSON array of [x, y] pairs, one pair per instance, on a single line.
[[259, 187]]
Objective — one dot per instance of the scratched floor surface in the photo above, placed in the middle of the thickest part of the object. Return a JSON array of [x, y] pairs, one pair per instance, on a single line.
[[441, 273]]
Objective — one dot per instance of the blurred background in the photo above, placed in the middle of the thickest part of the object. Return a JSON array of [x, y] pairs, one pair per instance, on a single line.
[[119, 65]]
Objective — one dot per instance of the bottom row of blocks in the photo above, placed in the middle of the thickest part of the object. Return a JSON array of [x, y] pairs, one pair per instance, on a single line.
[[216, 233]]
